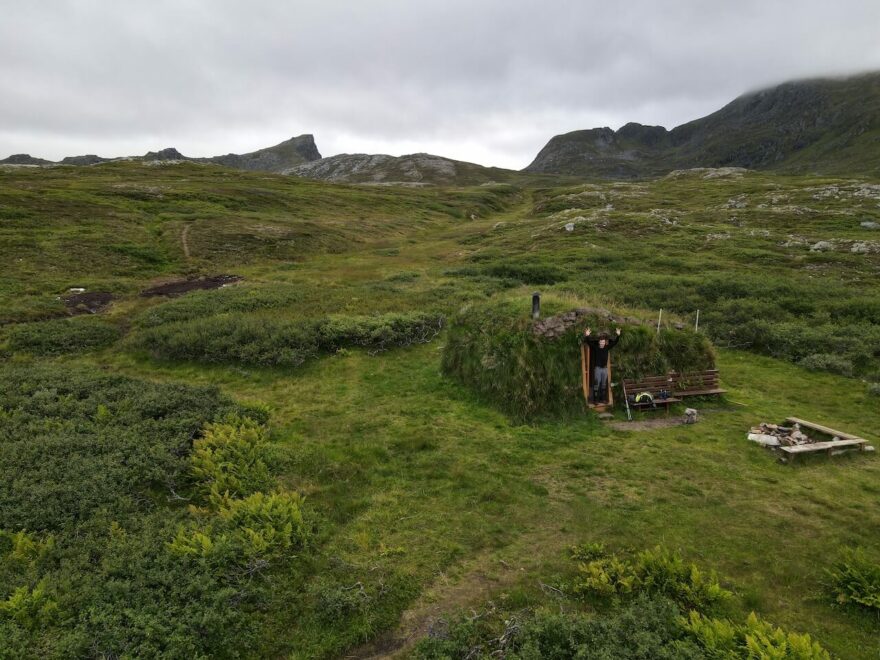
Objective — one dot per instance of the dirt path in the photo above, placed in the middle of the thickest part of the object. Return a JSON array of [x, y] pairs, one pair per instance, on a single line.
[[184, 235], [479, 580]]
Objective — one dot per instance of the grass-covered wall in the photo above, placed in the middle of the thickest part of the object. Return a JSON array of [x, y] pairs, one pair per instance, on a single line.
[[496, 350]]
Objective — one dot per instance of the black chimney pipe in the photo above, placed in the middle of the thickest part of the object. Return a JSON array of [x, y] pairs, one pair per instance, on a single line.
[[536, 305]]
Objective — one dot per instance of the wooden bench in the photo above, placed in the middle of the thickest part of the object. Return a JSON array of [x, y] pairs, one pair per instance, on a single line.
[[829, 446], [654, 385], [696, 383], [846, 440]]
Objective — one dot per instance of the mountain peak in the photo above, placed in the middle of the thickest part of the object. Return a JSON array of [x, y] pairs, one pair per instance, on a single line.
[[169, 153]]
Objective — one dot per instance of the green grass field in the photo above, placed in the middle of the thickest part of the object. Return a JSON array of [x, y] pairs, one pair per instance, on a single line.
[[423, 498]]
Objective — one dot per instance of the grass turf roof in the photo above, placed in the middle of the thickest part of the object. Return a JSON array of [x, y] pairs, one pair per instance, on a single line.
[[495, 350]]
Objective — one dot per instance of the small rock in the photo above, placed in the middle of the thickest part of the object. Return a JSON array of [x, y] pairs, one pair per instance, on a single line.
[[822, 246], [860, 248], [690, 416], [569, 226], [764, 439], [870, 224], [606, 415]]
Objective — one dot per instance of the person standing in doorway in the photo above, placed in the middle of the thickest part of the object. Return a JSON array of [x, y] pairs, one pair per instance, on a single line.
[[599, 349]]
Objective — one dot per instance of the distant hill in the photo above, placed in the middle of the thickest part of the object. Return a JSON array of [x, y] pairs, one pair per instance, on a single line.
[[294, 151], [24, 159], [89, 159], [413, 169], [823, 125]]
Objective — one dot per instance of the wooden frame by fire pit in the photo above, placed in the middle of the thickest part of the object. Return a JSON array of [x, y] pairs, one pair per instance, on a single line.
[[846, 440]]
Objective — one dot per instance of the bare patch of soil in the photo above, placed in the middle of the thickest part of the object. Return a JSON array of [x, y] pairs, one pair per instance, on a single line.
[[179, 287], [647, 424], [87, 302]]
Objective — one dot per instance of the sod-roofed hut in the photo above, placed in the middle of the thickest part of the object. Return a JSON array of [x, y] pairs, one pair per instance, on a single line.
[[531, 368]]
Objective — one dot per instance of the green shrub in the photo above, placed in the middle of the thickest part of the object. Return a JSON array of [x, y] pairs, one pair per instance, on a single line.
[[77, 441], [81, 451], [240, 298], [257, 528], [491, 348], [646, 629], [252, 339], [656, 572], [855, 580], [588, 551], [79, 334], [755, 638], [527, 273], [230, 459], [30, 608], [827, 362]]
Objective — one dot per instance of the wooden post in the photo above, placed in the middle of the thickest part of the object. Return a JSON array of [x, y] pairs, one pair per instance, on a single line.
[[610, 398], [659, 318], [585, 371]]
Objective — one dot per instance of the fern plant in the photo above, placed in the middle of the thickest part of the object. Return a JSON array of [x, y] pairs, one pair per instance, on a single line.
[[855, 580]]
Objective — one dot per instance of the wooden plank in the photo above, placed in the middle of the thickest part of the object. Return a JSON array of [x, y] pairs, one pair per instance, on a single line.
[[585, 368], [650, 383], [822, 429], [822, 446], [716, 390]]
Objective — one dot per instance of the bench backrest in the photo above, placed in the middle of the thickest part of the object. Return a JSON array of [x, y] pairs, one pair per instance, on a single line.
[[695, 380], [652, 384], [674, 382]]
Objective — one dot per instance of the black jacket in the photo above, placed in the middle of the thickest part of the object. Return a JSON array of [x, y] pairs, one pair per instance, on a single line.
[[599, 355]]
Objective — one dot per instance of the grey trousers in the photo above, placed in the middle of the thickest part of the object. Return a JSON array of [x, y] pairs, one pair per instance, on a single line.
[[600, 378]]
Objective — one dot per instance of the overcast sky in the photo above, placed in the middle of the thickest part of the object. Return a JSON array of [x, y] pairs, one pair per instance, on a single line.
[[488, 81]]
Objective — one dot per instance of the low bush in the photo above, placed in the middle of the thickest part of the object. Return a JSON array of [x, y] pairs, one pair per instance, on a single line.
[[240, 298], [649, 623], [253, 339], [76, 441], [644, 629], [230, 459], [755, 638], [246, 532], [492, 349], [855, 580], [91, 467], [527, 273], [79, 334], [654, 572], [827, 362]]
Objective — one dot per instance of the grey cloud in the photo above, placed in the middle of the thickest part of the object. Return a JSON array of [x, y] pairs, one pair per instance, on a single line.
[[489, 81]]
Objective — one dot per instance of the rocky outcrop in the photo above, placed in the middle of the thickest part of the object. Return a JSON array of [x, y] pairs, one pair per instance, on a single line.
[[296, 150], [24, 159], [413, 169], [169, 154], [88, 159]]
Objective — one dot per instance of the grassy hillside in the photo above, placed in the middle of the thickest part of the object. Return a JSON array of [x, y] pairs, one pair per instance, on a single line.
[[830, 126], [383, 495]]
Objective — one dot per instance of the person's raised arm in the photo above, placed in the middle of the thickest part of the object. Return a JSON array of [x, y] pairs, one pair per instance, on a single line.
[[615, 339], [586, 338]]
